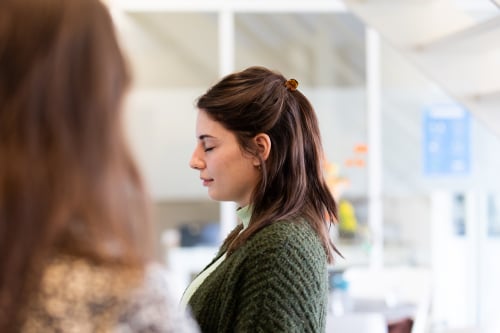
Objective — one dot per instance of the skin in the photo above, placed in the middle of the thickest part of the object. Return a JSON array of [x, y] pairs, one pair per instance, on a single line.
[[229, 173]]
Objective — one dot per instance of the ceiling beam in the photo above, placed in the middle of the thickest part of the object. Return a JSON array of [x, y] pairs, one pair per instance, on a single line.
[[255, 6]]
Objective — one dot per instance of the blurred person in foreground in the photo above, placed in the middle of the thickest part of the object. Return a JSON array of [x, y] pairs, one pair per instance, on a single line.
[[258, 144], [74, 222]]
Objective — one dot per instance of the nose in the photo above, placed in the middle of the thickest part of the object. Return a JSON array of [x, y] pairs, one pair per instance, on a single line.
[[196, 161]]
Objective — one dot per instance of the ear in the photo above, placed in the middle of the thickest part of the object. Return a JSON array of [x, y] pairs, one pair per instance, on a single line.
[[263, 143]]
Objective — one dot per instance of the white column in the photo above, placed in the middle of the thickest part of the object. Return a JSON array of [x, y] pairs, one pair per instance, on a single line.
[[226, 41], [228, 218], [455, 259], [375, 214], [475, 216]]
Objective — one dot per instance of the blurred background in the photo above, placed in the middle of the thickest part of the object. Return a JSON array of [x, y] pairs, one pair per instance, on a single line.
[[407, 94]]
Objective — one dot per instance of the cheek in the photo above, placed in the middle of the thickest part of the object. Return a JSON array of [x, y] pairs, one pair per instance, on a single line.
[[228, 160], [219, 164]]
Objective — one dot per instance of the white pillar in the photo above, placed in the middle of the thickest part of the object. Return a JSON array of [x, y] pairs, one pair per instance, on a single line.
[[226, 41], [375, 214], [228, 218]]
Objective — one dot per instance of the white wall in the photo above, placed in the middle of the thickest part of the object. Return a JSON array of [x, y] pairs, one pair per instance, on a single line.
[[161, 126]]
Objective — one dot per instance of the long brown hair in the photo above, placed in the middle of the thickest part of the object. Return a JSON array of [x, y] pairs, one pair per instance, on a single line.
[[256, 100], [68, 183]]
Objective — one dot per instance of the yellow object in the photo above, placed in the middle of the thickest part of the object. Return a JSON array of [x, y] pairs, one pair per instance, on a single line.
[[347, 218]]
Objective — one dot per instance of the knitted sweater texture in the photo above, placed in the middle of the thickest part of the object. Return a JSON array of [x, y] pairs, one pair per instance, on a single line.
[[276, 282]]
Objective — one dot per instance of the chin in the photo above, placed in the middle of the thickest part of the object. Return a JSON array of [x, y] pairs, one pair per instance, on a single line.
[[216, 197]]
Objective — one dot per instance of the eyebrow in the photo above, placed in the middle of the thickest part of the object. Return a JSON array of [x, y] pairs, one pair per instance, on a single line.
[[205, 136]]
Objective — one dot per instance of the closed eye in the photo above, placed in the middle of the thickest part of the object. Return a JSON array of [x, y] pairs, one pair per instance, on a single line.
[[207, 149]]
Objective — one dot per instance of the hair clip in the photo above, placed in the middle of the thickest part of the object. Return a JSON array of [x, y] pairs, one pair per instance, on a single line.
[[292, 84]]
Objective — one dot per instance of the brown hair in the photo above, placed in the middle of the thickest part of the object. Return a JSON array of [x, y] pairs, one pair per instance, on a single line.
[[257, 100], [68, 183]]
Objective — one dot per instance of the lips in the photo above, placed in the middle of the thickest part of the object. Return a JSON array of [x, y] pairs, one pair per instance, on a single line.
[[206, 181]]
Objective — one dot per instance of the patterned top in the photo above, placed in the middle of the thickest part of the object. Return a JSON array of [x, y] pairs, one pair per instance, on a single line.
[[79, 297]]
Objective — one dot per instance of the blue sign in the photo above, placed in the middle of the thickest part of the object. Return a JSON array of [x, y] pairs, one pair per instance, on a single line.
[[446, 140]]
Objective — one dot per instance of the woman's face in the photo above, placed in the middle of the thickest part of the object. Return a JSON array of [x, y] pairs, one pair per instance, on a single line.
[[229, 173]]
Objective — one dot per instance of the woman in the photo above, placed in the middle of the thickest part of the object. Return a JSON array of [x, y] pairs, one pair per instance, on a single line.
[[74, 218], [259, 146]]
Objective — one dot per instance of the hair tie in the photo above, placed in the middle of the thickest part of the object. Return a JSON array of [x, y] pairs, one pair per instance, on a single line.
[[292, 84]]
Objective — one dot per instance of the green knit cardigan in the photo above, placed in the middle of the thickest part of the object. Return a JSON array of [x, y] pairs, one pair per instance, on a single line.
[[276, 282]]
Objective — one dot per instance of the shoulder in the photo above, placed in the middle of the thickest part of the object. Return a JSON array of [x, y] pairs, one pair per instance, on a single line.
[[92, 296], [287, 231], [152, 307], [286, 261], [292, 239]]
